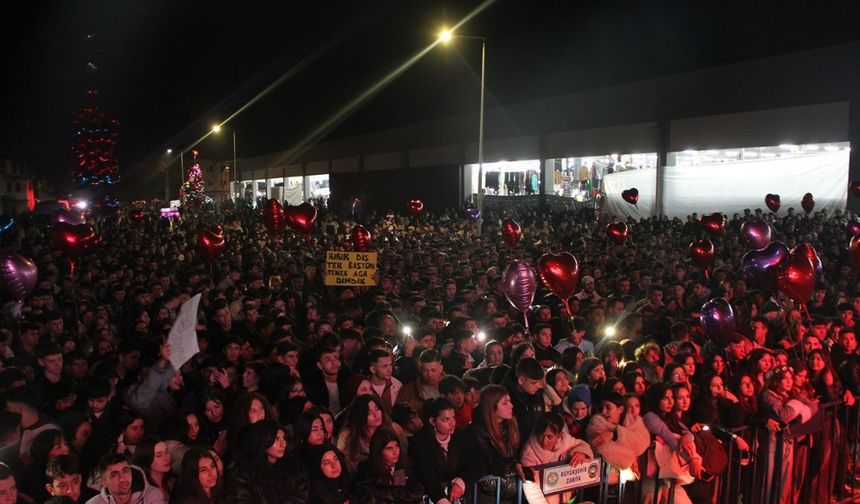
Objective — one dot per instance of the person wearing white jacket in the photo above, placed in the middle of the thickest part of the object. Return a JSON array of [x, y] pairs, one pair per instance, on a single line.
[[550, 442], [617, 436]]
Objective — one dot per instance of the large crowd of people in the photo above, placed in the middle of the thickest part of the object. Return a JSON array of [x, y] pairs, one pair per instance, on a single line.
[[419, 386]]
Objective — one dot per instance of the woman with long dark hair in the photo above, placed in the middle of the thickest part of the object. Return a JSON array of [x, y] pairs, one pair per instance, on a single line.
[[263, 470], [152, 456], [496, 435], [199, 481], [331, 481], [386, 476], [308, 432], [780, 404], [675, 449], [443, 455], [213, 420], [365, 416], [46, 445], [249, 408]]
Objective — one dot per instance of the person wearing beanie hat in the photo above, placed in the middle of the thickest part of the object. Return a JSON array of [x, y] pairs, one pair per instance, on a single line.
[[578, 402], [580, 393], [587, 296], [592, 373]]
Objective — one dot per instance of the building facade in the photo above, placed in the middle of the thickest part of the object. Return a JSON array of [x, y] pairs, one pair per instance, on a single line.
[[783, 106]]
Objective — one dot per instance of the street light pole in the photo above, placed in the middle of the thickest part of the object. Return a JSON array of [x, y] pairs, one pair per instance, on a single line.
[[444, 37], [166, 165], [235, 165], [481, 138]]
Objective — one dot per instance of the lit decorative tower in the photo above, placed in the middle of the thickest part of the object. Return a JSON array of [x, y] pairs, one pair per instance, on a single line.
[[94, 137]]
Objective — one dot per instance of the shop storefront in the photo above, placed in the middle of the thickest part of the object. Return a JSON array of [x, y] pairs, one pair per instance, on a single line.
[[507, 178], [291, 190]]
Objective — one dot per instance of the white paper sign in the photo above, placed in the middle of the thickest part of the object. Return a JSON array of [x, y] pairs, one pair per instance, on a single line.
[[183, 334]]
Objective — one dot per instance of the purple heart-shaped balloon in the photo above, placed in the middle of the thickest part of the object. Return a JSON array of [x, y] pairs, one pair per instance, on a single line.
[[473, 214], [717, 319], [756, 233], [18, 275], [852, 228], [760, 266]]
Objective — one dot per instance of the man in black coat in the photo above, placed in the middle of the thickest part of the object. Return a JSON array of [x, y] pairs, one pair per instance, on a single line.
[[524, 387], [443, 455]]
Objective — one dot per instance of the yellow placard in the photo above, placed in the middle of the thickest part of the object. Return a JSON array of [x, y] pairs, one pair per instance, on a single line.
[[355, 269]]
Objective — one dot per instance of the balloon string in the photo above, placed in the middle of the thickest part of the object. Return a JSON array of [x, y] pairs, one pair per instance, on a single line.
[[707, 274], [567, 307], [526, 318], [779, 300], [805, 311], [20, 317]]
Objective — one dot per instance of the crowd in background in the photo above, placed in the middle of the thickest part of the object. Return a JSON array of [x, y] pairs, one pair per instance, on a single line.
[[414, 388]]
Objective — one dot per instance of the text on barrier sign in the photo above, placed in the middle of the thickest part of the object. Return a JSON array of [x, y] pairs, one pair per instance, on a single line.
[[562, 476], [350, 268]]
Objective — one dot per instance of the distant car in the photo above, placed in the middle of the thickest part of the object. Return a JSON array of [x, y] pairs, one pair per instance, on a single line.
[[44, 210]]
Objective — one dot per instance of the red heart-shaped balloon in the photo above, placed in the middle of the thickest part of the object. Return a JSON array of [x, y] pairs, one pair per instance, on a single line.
[[273, 216], [854, 252], [511, 232], [702, 253], [137, 214], [772, 201], [854, 187], [809, 251], [210, 239], [796, 277], [560, 273], [617, 232], [360, 238], [714, 224], [853, 228], [301, 218], [416, 206], [630, 195], [807, 203], [74, 239]]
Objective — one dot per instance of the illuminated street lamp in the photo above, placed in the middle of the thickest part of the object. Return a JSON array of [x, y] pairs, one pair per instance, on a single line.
[[166, 164], [446, 36], [217, 129]]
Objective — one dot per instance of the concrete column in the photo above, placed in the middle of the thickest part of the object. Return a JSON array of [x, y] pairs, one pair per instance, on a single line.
[[663, 131], [547, 169], [854, 157]]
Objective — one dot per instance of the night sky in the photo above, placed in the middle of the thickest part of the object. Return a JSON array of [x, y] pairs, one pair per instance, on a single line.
[[169, 69]]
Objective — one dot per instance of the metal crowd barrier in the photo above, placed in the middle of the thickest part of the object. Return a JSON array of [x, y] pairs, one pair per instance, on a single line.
[[824, 458]]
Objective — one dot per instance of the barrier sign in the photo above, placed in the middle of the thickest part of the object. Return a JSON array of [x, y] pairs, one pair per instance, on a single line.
[[561, 476], [350, 268]]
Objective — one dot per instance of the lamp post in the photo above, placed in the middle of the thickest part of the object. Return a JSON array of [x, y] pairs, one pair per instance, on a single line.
[[445, 36], [216, 129], [167, 177]]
